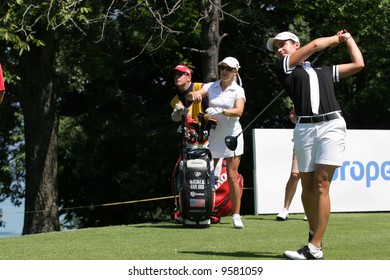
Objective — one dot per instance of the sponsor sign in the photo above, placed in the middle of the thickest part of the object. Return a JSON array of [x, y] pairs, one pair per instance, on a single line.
[[361, 184]]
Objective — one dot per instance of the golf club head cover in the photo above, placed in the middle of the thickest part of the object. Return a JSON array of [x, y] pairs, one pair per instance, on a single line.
[[207, 122]]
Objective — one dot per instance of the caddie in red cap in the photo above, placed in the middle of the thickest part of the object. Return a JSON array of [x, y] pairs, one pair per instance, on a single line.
[[182, 76], [183, 69], [187, 112]]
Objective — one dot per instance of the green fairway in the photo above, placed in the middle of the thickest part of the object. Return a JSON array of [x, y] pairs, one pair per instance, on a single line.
[[351, 236]]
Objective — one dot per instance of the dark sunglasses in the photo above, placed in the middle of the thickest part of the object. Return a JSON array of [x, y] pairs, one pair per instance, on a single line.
[[227, 68], [178, 73]]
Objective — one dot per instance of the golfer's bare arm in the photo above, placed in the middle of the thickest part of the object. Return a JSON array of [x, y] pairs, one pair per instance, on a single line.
[[345, 70], [357, 61], [197, 95], [316, 45], [237, 110], [293, 115]]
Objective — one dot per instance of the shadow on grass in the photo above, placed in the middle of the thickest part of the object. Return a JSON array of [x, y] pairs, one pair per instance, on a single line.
[[248, 255], [272, 218], [169, 226], [177, 226]]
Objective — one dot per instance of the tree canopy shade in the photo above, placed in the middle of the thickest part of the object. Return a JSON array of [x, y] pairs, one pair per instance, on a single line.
[[86, 120]]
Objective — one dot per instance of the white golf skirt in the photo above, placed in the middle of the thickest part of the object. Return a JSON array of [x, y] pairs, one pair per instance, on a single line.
[[218, 147]]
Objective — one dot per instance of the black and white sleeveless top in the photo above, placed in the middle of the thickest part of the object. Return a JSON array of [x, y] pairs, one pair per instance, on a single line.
[[297, 84]]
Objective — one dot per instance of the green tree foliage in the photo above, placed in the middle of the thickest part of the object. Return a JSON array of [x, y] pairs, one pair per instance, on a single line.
[[110, 70], [121, 125], [30, 37]]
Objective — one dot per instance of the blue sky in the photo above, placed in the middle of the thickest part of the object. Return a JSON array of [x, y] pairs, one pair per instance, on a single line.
[[13, 217]]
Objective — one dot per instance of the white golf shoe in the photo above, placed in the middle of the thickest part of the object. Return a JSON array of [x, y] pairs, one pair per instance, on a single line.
[[237, 223], [304, 254], [283, 215]]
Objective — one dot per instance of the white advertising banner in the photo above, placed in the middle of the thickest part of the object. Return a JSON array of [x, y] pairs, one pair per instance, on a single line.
[[362, 184]]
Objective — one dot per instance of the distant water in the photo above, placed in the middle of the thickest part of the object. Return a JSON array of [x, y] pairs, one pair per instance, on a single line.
[[4, 234]]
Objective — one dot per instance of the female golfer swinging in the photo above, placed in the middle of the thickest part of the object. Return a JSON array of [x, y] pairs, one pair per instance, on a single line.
[[320, 131]]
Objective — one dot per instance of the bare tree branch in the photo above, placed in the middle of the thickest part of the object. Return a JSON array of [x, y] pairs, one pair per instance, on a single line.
[[105, 22], [159, 19], [143, 49], [223, 12], [165, 31]]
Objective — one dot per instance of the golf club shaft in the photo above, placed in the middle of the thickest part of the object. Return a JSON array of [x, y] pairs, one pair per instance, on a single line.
[[318, 56], [262, 111]]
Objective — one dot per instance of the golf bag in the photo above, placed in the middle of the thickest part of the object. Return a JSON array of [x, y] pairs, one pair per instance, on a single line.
[[195, 160], [192, 183]]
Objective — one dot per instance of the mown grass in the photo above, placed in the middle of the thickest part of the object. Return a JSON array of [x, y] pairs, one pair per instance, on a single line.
[[350, 236]]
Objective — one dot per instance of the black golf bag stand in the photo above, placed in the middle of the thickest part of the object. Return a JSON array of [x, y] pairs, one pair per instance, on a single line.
[[193, 185]]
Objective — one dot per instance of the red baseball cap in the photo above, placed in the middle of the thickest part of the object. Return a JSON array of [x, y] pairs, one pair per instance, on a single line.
[[182, 68]]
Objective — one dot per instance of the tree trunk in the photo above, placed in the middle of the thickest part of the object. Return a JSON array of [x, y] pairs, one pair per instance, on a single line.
[[210, 38], [39, 105]]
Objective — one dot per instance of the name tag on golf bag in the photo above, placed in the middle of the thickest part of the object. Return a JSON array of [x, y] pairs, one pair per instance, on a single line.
[[196, 194]]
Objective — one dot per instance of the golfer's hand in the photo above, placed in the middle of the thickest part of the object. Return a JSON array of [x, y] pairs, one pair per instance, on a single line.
[[214, 111], [293, 117], [343, 35], [195, 97]]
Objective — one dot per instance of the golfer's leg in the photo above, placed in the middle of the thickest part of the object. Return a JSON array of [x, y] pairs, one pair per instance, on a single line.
[[323, 178], [232, 165], [309, 198], [291, 188], [292, 183], [305, 144]]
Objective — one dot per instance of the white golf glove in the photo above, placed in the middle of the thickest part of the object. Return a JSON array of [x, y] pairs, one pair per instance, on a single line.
[[179, 106], [214, 111], [178, 112]]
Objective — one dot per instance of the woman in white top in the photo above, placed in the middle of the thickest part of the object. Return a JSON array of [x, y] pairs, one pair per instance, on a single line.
[[226, 104]]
